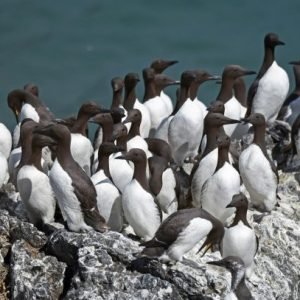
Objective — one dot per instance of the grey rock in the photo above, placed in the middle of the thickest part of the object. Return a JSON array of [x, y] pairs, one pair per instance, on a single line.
[[34, 275]]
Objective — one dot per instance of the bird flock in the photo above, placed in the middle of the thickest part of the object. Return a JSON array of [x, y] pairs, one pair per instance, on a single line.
[[165, 173]]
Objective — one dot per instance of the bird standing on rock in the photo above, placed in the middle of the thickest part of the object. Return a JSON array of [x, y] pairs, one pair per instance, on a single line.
[[74, 190], [140, 208], [257, 170], [181, 232], [270, 88]]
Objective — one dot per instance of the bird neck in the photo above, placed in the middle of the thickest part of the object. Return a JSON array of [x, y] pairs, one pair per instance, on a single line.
[[80, 125], [36, 157], [122, 142], [183, 96], [259, 137], [103, 164], [107, 129], [268, 60], [134, 129], [226, 93], [26, 151], [222, 157], [140, 174], [150, 90], [211, 140], [194, 90], [130, 98], [241, 215], [117, 99]]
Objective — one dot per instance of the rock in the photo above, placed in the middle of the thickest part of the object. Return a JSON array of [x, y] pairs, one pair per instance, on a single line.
[[34, 275], [107, 266]]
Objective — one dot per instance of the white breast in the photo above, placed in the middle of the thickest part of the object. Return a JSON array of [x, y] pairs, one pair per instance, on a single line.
[[146, 119], [240, 240], [109, 202], [157, 110], [218, 190], [167, 197], [5, 140], [120, 171], [162, 130], [205, 169], [68, 203], [233, 111], [168, 103], [82, 150], [3, 170], [140, 210], [197, 229], [140, 143], [185, 131], [28, 111], [272, 90], [258, 177], [36, 193]]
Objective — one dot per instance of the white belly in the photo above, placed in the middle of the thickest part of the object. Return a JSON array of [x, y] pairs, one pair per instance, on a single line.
[[272, 90], [140, 210], [69, 205], [168, 103], [146, 119], [5, 140], [167, 197], [240, 240], [82, 150], [120, 171], [185, 131], [196, 230], [163, 128], [218, 190], [3, 170], [28, 111], [140, 143], [233, 111], [258, 177], [205, 169], [37, 195], [157, 110], [109, 204]]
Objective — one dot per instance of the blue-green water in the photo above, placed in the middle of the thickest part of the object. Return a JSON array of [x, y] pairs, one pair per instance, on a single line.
[[72, 49]]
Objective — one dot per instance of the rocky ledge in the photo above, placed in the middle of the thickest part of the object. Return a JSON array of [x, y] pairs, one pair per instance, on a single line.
[[67, 265]]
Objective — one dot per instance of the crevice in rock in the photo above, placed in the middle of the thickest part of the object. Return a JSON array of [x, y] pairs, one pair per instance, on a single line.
[[69, 274]]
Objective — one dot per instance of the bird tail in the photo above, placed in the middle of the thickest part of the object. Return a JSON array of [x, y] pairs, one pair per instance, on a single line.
[[153, 251]]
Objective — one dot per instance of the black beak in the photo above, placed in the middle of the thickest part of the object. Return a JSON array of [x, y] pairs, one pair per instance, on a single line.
[[245, 120], [297, 63], [216, 263], [280, 43], [121, 157], [249, 72], [229, 205]]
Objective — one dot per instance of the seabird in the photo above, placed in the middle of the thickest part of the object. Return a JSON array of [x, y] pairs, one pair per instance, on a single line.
[[232, 105], [140, 209], [181, 232], [186, 127], [108, 196], [205, 168], [257, 170], [239, 238], [270, 88], [73, 189], [239, 289], [290, 109], [218, 189], [131, 102], [34, 185]]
